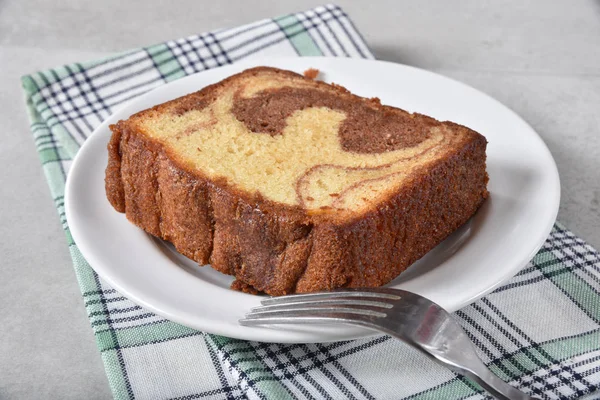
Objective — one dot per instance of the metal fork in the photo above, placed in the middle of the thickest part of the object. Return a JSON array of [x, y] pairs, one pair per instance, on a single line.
[[398, 313]]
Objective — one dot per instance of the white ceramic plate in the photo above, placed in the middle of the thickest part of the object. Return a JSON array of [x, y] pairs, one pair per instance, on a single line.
[[502, 237]]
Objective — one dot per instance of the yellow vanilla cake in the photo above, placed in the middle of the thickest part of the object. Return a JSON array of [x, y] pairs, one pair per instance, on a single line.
[[293, 185]]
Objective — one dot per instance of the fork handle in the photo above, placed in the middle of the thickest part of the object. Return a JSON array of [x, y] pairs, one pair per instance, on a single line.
[[466, 362], [472, 367], [494, 385]]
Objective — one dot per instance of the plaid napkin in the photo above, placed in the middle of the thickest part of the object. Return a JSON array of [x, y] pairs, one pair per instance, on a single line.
[[540, 331]]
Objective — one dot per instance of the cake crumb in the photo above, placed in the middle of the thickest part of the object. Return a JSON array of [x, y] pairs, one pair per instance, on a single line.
[[311, 73], [243, 287], [340, 88]]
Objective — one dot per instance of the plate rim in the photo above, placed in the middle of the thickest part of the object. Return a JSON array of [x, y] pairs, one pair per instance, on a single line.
[[264, 334]]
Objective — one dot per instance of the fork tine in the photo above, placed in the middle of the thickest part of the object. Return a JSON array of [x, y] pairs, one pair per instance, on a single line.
[[364, 318], [346, 293], [325, 302], [319, 308]]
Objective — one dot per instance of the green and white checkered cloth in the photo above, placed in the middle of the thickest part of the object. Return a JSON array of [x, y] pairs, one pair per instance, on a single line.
[[540, 331]]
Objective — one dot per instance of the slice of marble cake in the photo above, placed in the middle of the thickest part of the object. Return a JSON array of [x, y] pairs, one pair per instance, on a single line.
[[293, 185]]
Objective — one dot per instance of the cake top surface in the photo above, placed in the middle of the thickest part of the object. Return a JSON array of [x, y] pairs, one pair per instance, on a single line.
[[297, 141]]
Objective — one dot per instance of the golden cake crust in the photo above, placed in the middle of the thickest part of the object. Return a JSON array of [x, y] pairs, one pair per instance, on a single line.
[[281, 248]]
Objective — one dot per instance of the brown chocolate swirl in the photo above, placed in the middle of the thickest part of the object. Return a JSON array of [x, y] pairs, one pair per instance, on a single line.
[[366, 129]]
